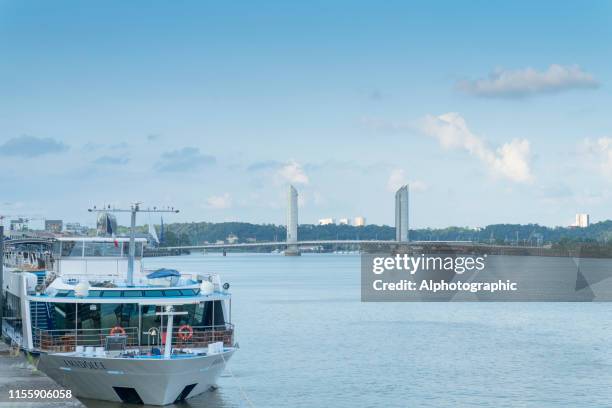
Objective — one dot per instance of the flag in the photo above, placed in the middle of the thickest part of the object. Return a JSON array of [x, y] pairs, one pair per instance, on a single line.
[[109, 226], [109, 230], [161, 231]]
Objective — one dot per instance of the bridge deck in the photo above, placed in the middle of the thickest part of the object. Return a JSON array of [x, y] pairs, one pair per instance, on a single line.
[[308, 243]]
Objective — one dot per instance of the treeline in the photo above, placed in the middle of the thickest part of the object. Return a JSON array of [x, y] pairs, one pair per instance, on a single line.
[[531, 234]]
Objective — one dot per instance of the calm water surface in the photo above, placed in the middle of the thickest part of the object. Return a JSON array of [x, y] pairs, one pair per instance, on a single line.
[[306, 340]]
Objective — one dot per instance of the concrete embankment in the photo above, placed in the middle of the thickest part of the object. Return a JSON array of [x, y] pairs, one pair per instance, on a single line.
[[17, 373]]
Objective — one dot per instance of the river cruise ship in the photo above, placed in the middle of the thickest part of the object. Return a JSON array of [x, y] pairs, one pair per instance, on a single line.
[[106, 328]]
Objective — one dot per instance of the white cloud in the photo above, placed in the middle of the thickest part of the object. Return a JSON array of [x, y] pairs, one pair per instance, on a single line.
[[398, 178], [292, 172], [528, 81], [601, 150], [510, 161], [219, 202]]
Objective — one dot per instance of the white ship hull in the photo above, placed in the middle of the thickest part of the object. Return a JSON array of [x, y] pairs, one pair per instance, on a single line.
[[152, 381]]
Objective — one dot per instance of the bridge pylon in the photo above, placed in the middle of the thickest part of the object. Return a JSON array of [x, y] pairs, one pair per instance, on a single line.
[[292, 222]]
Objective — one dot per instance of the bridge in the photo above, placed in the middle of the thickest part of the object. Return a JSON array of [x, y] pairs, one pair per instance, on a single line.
[[312, 243], [278, 244], [292, 244]]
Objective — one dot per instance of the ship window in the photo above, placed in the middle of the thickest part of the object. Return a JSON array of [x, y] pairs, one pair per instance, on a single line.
[[102, 249], [12, 308], [111, 293], [89, 318], [187, 318], [215, 307], [153, 293], [95, 293], [65, 293], [132, 293], [201, 314], [188, 292], [119, 314], [72, 248], [172, 292], [63, 317]]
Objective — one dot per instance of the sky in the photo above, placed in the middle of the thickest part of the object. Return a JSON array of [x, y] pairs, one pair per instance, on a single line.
[[493, 112]]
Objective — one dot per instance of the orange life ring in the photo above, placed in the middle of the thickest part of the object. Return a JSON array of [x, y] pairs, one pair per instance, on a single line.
[[185, 332], [117, 330]]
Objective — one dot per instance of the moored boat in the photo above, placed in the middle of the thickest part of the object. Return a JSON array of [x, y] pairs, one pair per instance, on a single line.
[[106, 328]]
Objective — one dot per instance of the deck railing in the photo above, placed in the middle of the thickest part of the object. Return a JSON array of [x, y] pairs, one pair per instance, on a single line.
[[203, 335], [67, 340]]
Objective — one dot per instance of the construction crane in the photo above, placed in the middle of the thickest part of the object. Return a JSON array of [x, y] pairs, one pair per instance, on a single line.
[[23, 220]]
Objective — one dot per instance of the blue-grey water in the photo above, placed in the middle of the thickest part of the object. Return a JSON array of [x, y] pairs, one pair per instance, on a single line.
[[306, 340]]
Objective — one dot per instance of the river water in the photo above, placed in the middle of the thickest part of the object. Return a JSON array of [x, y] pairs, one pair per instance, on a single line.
[[306, 340]]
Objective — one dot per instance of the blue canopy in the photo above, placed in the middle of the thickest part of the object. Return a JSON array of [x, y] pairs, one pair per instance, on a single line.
[[163, 273]]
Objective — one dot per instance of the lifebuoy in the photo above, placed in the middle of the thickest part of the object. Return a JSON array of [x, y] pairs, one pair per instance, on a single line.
[[117, 330], [185, 332]]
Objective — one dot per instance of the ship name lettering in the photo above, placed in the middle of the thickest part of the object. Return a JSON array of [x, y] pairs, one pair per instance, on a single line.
[[92, 365]]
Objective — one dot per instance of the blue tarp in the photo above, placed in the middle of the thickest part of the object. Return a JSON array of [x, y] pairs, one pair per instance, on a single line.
[[163, 273]]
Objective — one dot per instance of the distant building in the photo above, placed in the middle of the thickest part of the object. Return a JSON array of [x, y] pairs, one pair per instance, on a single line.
[[344, 221], [359, 222], [401, 214], [74, 228], [19, 224], [54, 225], [327, 221], [582, 221], [231, 239]]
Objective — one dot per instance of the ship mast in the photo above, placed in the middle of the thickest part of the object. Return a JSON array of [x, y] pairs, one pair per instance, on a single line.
[[134, 208]]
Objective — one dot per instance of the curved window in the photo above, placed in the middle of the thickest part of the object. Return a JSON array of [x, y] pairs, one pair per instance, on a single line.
[[64, 315], [201, 314], [72, 248], [124, 315], [108, 249], [132, 293], [107, 315]]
